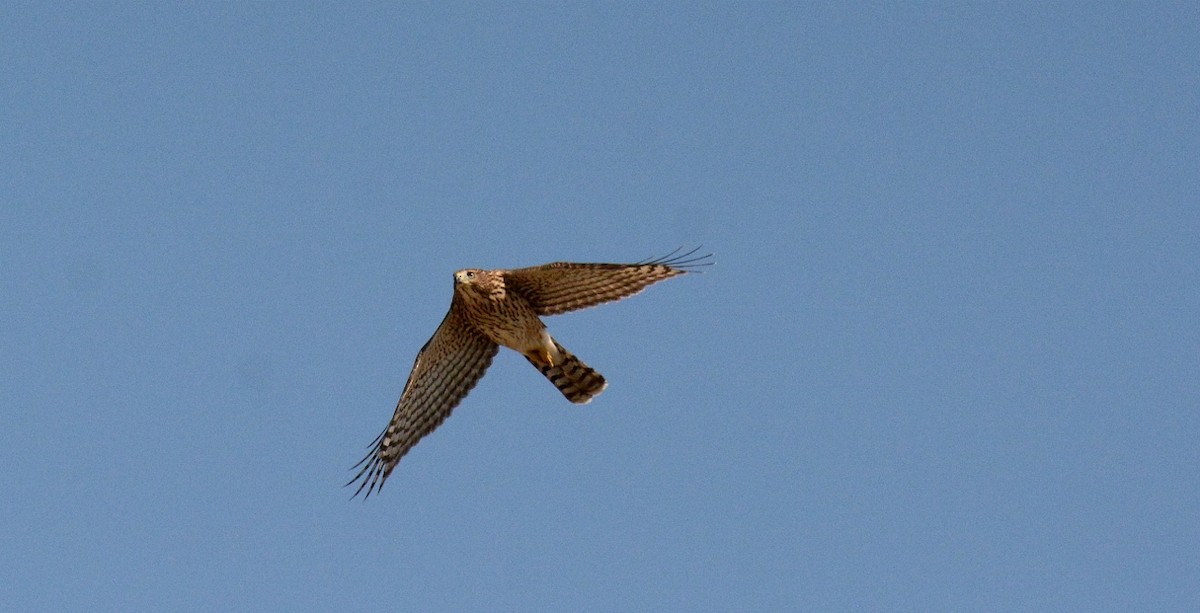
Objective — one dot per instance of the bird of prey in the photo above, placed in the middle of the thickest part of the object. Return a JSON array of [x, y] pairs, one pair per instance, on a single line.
[[491, 308]]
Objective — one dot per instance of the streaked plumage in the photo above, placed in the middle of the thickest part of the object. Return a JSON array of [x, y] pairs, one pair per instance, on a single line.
[[490, 308]]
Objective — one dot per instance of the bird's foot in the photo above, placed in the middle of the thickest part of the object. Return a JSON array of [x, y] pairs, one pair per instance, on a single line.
[[541, 356]]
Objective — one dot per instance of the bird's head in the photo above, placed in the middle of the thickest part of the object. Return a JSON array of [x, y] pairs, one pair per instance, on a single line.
[[466, 277], [475, 283]]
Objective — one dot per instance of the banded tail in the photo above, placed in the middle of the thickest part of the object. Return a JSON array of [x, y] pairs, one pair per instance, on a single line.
[[576, 380]]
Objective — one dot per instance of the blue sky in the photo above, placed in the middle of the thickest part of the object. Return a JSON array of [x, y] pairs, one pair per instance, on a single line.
[[947, 358]]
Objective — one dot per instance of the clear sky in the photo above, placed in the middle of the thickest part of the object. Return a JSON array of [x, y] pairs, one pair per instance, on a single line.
[[947, 359]]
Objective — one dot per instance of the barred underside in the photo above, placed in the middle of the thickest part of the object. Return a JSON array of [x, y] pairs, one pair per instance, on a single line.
[[576, 380]]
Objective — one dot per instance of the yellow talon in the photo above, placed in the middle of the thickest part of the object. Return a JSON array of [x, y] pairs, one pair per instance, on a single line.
[[541, 356]]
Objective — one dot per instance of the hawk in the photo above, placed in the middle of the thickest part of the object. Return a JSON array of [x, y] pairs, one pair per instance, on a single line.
[[491, 308]]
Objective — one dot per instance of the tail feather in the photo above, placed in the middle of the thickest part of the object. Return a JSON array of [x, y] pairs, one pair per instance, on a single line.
[[576, 380]]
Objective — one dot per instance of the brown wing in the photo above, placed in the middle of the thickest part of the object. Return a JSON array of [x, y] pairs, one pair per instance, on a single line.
[[447, 367], [565, 286]]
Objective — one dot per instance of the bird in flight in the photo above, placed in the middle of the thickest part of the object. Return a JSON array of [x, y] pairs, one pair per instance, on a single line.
[[502, 307]]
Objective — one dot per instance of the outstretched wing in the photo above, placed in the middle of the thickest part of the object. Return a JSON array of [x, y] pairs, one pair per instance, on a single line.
[[566, 286], [447, 367]]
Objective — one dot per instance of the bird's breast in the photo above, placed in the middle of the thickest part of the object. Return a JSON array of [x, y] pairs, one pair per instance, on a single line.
[[508, 321]]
